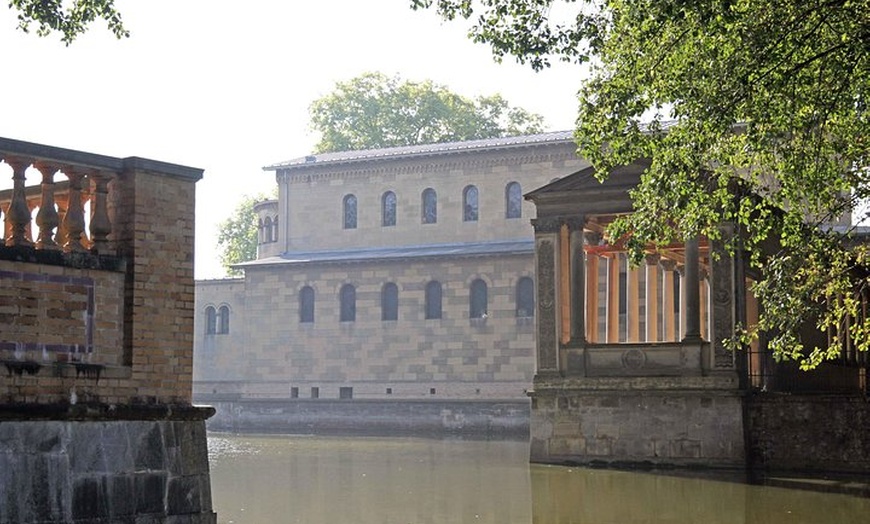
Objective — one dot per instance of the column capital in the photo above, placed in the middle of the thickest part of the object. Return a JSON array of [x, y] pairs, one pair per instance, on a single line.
[[668, 264], [652, 259], [547, 224], [575, 223], [592, 238]]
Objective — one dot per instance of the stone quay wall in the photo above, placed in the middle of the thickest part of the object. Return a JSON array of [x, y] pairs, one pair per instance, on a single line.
[[102, 471], [507, 419], [808, 432], [626, 422]]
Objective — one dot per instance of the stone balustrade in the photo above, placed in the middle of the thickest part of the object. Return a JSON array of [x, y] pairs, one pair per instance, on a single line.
[[96, 267]]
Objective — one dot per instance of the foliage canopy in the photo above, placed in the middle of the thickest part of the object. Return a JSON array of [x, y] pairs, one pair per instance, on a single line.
[[771, 93], [238, 235], [374, 111], [70, 18]]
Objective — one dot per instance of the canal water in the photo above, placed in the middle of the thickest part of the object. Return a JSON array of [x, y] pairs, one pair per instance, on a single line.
[[348, 480]]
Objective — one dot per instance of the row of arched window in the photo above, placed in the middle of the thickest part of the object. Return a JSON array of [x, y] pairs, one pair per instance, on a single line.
[[429, 206], [267, 230], [217, 321], [477, 301]]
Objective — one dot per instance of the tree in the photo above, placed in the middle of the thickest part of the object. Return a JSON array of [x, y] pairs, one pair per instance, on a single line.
[[238, 234], [771, 94], [69, 20], [375, 111]]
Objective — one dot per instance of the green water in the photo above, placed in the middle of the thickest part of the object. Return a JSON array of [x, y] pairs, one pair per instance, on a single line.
[[319, 480]]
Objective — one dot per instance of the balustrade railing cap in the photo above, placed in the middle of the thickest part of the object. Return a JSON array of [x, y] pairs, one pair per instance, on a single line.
[[72, 157]]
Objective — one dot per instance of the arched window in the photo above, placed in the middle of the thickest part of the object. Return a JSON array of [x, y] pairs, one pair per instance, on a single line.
[[347, 297], [469, 204], [210, 320], [513, 200], [223, 320], [433, 299], [275, 230], [430, 206], [349, 210], [477, 299], [388, 209], [267, 230], [390, 302], [525, 298], [260, 233], [306, 305]]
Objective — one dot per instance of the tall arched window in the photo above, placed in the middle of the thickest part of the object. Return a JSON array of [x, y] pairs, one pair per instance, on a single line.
[[210, 320], [513, 200], [347, 298], [477, 299], [469, 204], [388, 209], [433, 299], [223, 320], [261, 235], [349, 210], [275, 230], [430, 206], [267, 230], [525, 298], [306, 305], [390, 302]]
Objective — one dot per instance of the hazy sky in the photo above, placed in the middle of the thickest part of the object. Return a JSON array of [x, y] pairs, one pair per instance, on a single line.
[[225, 86]]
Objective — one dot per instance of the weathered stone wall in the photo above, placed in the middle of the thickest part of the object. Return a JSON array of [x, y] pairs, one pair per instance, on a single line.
[[268, 351], [104, 472], [637, 421], [809, 432], [314, 197], [500, 419]]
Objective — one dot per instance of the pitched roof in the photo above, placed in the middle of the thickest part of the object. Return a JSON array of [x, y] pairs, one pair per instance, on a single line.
[[343, 157]]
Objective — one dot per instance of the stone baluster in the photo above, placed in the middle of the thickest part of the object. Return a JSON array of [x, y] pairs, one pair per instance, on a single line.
[[47, 218], [100, 224], [74, 220], [18, 214]]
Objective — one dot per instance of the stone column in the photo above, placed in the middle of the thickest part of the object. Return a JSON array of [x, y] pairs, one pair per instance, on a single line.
[[578, 281], [593, 239], [652, 293], [546, 247], [692, 328], [668, 300], [723, 283]]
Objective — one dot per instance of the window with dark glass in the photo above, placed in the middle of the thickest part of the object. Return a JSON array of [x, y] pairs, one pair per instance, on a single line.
[[433, 299], [224, 320], [210, 320], [388, 209], [525, 298], [349, 208], [469, 204], [347, 298], [306, 305], [267, 230], [477, 302], [275, 230], [513, 196], [390, 302], [430, 206]]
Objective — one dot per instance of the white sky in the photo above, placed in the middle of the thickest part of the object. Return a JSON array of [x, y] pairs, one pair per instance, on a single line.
[[225, 86]]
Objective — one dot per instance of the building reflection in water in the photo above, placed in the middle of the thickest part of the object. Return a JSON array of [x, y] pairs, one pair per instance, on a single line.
[[316, 480]]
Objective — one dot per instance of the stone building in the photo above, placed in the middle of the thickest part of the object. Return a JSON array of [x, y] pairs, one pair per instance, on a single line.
[[631, 362], [96, 346], [388, 282]]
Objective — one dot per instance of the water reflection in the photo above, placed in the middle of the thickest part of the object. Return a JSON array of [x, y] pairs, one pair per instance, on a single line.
[[316, 480]]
